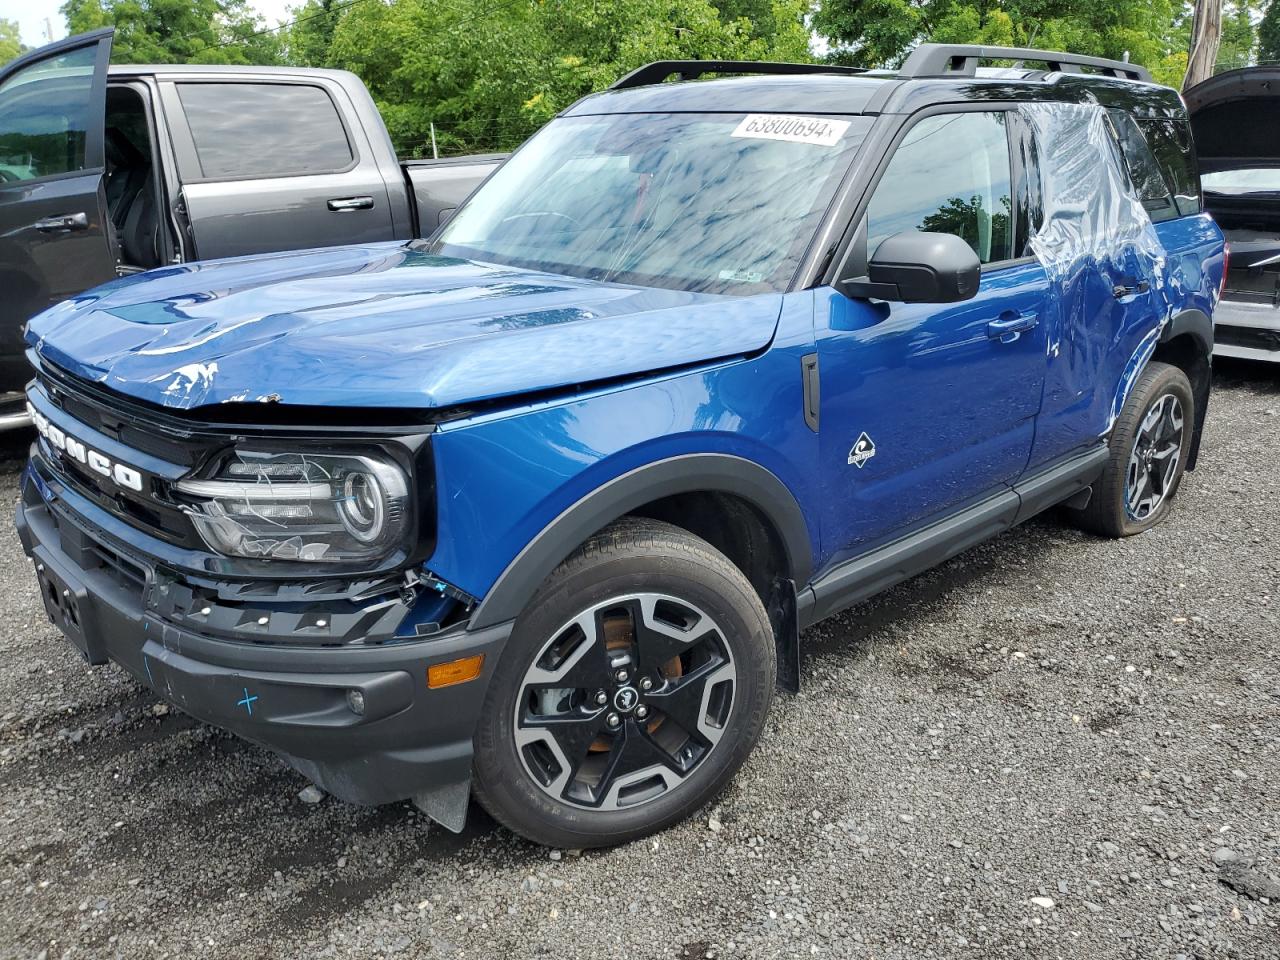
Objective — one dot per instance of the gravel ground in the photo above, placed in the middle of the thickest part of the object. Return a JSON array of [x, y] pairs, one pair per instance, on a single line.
[[1054, 746]]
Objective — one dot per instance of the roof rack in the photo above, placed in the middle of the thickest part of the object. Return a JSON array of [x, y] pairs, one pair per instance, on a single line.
[[692, 69], [961, 60]]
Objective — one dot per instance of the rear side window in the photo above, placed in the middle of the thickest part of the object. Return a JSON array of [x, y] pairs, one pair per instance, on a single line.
[[950, 174], [44, 113], [246, 130], [1170, 141], [1147, 177]]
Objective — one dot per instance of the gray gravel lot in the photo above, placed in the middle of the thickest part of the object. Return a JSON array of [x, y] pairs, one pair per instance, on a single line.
[[1034, 751]]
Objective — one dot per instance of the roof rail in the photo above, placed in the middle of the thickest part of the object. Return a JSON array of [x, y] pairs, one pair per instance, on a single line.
[[961, 60], [692, 69]]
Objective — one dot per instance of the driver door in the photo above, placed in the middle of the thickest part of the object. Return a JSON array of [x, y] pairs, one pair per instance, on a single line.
[[926, 407], [53, 226]]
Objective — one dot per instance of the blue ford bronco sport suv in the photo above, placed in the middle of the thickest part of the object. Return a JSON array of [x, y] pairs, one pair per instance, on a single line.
[[537, 508]]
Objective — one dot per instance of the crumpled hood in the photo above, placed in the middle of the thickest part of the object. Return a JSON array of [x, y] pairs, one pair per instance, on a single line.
[[380, 325]]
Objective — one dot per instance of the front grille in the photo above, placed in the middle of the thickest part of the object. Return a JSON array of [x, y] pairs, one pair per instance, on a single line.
[[133, 424], [151, 509], [145, 510]]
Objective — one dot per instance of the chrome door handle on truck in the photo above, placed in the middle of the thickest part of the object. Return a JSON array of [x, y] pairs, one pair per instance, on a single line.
[[64, 223], [351, 203]]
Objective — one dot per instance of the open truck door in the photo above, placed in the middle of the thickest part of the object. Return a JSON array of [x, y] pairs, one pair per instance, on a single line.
[[54, 239]]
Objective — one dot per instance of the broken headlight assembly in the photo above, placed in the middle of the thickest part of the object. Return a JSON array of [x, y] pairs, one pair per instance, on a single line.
[[307, 507]]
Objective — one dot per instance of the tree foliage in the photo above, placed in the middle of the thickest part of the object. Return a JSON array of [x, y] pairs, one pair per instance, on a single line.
[[880, 32], [10, 40], [487, 72], [178, 31], [1269, 34]]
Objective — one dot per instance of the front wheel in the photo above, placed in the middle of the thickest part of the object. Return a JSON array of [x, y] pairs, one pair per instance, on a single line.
[[1149, 446], [632, 688]]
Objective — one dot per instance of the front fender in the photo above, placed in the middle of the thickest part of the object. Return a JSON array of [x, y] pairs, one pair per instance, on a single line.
[[691, 473], [518, 490]]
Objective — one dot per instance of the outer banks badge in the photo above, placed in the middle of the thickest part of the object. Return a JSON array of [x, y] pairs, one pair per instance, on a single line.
[[862, 451]]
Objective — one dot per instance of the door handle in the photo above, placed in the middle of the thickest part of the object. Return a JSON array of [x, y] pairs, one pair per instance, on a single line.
[[1121, 290], [343, 204], [63, 224], [1009, 324]]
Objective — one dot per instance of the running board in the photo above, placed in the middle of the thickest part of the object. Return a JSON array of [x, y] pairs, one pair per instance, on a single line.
[[862, 577]]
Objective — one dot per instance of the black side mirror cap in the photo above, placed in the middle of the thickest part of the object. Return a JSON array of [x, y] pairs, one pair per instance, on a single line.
[[918, 267]]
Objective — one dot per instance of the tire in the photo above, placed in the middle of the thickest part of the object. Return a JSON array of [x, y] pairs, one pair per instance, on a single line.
[[1111, 509], [679, 619]]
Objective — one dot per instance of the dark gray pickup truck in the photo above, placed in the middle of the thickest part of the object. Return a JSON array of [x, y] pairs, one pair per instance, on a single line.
[[106, 171]]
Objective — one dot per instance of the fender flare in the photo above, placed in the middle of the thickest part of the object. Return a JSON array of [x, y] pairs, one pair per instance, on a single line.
[[1194, 322], [690, 473], [1198, 325]]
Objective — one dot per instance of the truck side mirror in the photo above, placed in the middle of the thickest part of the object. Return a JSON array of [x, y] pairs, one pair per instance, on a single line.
[[918, 267]]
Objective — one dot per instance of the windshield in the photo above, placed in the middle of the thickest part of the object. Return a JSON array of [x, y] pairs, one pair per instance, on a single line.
[[717, 203], [1249, 180]]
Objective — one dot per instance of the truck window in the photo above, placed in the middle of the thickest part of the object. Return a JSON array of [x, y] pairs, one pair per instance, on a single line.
[[1147, 177], [261, 130], [1170, 141], [949, 175], [44, 113]]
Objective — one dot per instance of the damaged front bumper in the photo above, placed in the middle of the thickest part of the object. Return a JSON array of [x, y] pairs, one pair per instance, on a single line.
[[359, 719]]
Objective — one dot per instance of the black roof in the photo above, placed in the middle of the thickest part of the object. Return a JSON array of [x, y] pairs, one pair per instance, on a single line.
[[813, 93], [932, 74], [872, 94]]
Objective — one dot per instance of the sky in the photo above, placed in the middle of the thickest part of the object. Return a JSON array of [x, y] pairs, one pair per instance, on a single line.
[[31, 15]]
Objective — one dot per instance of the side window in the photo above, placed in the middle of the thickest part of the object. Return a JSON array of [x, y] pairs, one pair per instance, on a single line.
[[1170, 141], [264, 129], [44, 113], [950, 174], [1147, 177]]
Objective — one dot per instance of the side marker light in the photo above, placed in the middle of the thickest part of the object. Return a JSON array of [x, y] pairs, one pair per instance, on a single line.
[[454, 671]]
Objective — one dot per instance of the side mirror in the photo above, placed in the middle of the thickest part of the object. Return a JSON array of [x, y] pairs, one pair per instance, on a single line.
[[916, 267]]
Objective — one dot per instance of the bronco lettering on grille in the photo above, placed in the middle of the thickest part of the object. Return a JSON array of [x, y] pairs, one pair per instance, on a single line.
[[77, 450]]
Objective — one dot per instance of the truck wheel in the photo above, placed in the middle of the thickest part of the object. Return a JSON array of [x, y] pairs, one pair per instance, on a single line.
[[634, 685], [1149, 447]]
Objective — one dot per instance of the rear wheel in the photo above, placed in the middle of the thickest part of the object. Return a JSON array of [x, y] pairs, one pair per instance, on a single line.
[[1149, 447], [632, 689]]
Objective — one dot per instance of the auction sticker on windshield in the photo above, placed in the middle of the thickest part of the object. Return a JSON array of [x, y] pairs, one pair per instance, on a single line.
[[778, 126]]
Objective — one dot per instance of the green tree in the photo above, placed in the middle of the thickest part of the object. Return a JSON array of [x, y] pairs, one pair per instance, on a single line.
[[1239, 35], [1269, 34], [879, 33], [178, 31], [310, 31], [964, 218], [10, 44], [487, 74]]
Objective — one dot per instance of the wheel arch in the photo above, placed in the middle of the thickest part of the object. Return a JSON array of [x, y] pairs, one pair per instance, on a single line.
[[1187, 343], [661, 489]]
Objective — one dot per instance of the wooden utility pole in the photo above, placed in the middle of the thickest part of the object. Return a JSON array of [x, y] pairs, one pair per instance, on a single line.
[[1206, 34]]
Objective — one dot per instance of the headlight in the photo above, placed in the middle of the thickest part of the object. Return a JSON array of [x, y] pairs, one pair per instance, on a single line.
[[300, 506]]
